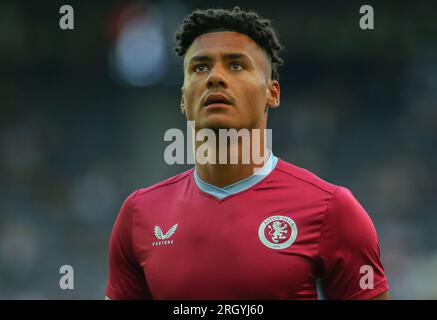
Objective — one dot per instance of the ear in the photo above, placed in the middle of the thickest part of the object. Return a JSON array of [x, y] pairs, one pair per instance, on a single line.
[[182, 101], [273, 94]]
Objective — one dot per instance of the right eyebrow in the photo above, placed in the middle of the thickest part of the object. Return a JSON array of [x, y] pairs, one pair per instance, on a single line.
[[200, 58]]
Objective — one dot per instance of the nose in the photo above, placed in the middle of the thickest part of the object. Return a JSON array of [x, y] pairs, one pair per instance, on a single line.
[[216, 79]]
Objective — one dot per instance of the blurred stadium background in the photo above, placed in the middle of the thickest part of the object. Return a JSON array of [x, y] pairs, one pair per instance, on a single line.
[[83, 115]]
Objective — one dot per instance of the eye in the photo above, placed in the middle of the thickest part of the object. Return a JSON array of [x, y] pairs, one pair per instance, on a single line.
[[200, 68], [236, 66]]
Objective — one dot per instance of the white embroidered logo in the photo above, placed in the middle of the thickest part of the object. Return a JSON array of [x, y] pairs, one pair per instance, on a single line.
[[163, 237]]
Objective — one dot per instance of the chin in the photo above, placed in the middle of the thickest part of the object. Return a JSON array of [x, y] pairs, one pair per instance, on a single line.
[[215, 123]]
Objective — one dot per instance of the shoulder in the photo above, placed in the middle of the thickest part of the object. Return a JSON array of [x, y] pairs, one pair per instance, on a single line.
[[347, 218], [341, 204], [305, 178], [145, 197], [164, 186]]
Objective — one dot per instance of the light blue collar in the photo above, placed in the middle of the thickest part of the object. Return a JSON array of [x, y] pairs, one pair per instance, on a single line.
[[238, 186]]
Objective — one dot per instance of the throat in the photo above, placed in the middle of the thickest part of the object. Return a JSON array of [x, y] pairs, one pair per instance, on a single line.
[[224, 175], [233, 180]]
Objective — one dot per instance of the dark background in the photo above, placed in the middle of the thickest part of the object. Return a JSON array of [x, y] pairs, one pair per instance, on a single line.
[[83, 114]]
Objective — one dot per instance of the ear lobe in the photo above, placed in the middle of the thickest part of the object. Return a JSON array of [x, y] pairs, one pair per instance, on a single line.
[[182, 101], [273, 102], [273, 93], [182, 105], [277, 102]]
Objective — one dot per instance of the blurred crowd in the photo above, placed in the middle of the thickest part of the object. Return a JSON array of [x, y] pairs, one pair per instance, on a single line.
[[84, 111]]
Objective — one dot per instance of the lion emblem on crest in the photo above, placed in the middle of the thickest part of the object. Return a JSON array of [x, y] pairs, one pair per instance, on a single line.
[[277, 231]]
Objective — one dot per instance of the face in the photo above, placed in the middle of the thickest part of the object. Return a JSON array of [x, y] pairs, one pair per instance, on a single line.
[[227, 82]]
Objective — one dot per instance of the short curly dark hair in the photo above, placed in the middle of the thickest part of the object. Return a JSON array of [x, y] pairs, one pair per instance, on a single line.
[[259, 29]]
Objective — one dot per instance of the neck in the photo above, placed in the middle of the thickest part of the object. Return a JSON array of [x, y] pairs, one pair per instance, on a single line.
[[232, 161]]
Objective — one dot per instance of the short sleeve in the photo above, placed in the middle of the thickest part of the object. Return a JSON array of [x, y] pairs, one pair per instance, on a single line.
[[126, 278], [349, 252]]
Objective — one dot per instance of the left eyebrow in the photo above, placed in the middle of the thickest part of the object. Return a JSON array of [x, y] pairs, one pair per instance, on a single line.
[[226, 56]]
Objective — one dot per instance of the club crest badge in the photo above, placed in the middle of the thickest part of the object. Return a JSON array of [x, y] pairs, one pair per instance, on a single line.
[[277, 232]]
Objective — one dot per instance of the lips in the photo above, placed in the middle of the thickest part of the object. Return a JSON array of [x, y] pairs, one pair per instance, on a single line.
[[217, 98]]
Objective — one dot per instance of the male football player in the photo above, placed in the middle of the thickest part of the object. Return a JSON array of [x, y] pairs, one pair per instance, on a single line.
[[240, 230]]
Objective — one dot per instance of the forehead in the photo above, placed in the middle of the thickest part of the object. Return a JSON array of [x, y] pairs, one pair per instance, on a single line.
[[222, 42]]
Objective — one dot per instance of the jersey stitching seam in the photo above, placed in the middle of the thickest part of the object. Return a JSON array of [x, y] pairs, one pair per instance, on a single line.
[[306, 181], [131, 205], [134, 252], [151, 188], [328, 206]]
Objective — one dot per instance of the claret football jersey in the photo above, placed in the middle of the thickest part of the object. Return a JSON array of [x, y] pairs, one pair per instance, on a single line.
[[274, 235]]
